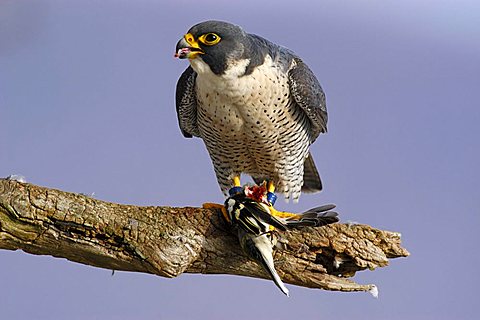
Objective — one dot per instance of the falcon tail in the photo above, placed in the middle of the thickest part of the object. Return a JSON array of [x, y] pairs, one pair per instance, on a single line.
[[311, 178]]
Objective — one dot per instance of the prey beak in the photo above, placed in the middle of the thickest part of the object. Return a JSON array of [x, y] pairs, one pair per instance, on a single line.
[[188, 48]]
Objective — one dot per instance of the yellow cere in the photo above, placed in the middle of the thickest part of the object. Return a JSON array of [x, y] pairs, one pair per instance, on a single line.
[[191, 41]]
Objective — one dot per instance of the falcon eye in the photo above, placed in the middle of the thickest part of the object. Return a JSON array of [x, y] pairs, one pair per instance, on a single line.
[[210, 39]]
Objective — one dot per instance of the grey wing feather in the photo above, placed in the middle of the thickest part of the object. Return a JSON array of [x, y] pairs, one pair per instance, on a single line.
[[309, 95], [315, 217], [186, 101]]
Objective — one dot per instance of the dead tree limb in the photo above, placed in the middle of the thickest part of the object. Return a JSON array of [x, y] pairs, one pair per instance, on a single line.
[[169, 241]]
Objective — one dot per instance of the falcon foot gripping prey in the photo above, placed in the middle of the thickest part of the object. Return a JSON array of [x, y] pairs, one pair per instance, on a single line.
[[257, 228], [258, 225]]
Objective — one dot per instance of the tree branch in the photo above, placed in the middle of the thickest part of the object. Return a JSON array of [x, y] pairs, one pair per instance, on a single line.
[[169, 241]]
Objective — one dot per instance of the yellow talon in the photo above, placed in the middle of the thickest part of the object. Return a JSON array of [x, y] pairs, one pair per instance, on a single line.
[[282, 214], [211, 205], [217, 206]]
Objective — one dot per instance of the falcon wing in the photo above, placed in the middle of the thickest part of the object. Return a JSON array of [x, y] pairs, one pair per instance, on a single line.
[[186, 100], [308, 95]]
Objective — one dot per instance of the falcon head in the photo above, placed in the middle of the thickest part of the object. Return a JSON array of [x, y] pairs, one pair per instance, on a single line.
[[216, 43]]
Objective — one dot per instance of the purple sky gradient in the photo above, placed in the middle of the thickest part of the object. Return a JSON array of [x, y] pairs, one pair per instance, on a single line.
[[87, 105]]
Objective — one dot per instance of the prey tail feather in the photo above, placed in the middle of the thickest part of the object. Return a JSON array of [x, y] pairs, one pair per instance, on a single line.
[[259, 248], [267, 264]]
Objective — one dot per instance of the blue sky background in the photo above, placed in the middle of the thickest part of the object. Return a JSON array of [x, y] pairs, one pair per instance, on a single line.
[[87, 105]]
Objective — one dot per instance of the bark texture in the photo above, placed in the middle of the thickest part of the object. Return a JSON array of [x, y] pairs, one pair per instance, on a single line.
[[168, 241]]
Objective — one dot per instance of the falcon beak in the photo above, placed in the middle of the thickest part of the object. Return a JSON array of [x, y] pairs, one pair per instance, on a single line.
[[188, 48]]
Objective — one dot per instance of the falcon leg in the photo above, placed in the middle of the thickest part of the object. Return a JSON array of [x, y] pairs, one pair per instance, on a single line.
[[271, 197], [282, 214], [217, 206], [237, 187]]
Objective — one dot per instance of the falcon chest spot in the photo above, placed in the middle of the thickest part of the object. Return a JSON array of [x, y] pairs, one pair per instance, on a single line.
[[238, 104]]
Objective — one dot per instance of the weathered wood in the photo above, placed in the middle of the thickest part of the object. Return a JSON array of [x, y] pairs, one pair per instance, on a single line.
[[168, 241]]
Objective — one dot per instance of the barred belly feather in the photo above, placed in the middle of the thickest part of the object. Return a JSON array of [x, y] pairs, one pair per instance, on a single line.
[[250, 124]]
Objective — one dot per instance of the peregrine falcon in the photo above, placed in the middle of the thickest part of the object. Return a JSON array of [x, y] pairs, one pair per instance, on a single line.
[[256, 105]]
